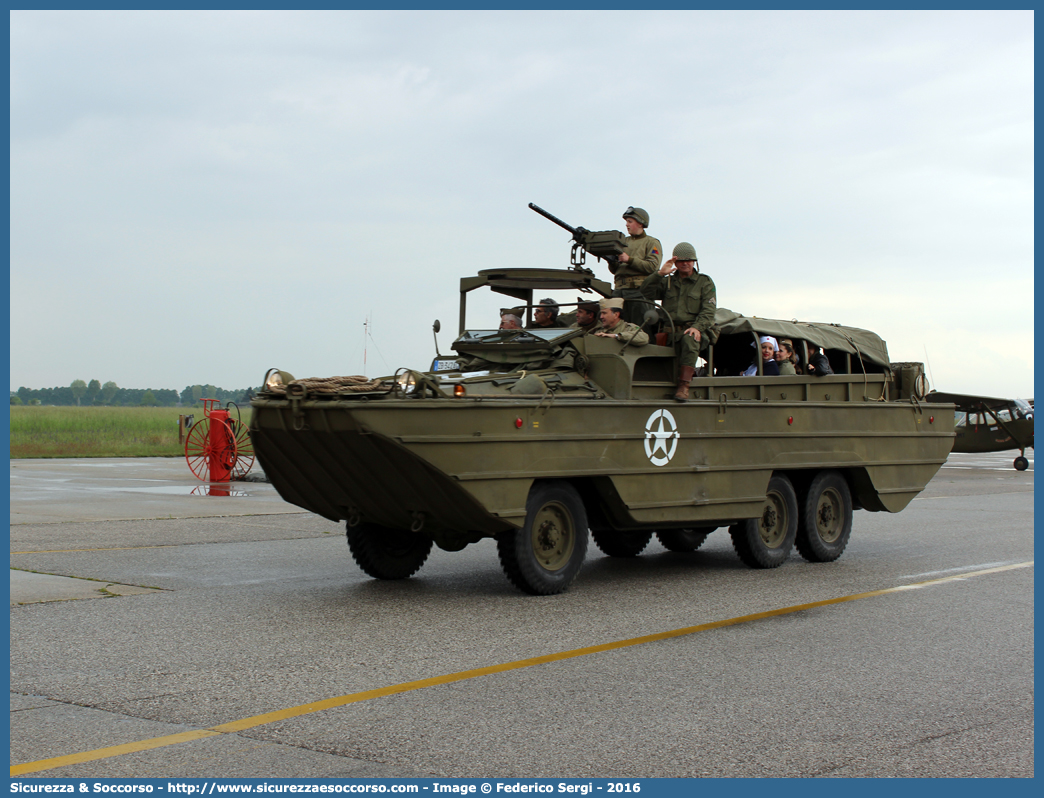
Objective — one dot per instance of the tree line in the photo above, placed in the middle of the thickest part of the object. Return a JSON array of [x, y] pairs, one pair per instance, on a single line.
[[95, 394]]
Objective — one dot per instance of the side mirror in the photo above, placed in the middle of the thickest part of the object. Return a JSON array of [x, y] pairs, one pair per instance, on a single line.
[[436, 326], [651, 317]]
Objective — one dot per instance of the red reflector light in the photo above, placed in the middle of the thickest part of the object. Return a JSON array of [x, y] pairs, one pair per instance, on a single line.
[[790, 420], [518, 423], [931, 419], [459, 390]]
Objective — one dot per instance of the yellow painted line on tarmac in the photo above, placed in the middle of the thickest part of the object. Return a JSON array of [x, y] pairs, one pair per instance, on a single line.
[[449, 678], [111, 751]]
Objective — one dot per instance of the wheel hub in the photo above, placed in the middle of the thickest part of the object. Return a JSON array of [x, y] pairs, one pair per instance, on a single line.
[[553, 537], [828, 516], [548, 536], [774, 522]]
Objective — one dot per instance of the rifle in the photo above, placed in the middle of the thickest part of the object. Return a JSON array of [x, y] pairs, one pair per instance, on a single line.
[[604, 244]]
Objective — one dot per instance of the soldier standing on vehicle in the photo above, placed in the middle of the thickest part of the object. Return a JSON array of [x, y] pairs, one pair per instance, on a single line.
[[691, 299], [587, 317], [641, 259], [615, 327]]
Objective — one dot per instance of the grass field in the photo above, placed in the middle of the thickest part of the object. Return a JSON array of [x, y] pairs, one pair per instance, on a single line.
[[99, 431]]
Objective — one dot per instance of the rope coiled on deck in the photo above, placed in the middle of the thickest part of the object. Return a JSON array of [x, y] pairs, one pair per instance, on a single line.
[[331, 386]]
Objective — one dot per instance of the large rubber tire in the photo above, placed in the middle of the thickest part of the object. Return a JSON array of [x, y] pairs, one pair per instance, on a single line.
[[683, 540], [825, 521], [766, 541], [1021, 463], [621, 544], [544, 556], [387, 553]]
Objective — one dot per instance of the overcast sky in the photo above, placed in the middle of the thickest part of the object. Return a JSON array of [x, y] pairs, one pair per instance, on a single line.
[[199, 196]]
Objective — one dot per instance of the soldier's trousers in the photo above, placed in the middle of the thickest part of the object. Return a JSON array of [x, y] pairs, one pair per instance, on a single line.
[[635, 305], [687, 347]]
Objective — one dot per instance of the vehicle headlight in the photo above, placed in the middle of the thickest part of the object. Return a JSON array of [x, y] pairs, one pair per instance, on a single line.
[[276, 380], [407, 381]]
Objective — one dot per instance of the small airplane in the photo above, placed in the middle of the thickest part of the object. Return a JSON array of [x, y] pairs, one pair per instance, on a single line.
[[985, 424]]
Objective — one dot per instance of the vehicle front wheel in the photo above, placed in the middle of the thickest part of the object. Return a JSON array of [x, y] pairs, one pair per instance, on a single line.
[[825, 519], [766, 541], [545, 555], [1021, 463], [385, 553], [621, 544], [683, 540]]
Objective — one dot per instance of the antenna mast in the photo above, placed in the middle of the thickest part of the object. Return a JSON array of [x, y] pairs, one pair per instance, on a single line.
[[366, 334]]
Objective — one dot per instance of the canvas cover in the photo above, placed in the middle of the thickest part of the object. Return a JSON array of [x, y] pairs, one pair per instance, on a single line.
[[858, 342]]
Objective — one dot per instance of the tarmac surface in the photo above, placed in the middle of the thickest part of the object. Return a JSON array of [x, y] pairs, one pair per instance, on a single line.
[[156, 619]]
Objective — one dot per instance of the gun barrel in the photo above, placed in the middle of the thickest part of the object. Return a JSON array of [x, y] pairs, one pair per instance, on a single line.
[[553, 218]]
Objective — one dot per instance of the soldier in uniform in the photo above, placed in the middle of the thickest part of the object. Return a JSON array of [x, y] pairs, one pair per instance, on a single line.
[[613, 326], [587, 317], [691, 299], [641, 259]]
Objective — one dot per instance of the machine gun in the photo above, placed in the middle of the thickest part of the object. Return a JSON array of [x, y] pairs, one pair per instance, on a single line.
[[605, 244]]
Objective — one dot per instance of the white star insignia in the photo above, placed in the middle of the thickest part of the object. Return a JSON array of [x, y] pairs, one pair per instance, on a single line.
[[661, 436]]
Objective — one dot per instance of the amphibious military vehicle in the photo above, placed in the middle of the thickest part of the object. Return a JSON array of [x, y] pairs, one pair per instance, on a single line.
[[541, 437]]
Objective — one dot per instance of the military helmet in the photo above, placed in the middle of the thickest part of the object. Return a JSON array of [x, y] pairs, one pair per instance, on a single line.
[[638, 214], [684, 251]]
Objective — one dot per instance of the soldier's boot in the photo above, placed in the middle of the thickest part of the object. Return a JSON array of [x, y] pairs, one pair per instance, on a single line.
[[684, 377]]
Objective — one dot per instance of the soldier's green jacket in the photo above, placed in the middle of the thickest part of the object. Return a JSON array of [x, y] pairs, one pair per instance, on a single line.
[[629, 333], [691, 301], [644, 254]]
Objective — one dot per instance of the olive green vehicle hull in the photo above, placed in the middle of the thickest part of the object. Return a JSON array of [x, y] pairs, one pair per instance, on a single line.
[[544, 437], [459, 470]]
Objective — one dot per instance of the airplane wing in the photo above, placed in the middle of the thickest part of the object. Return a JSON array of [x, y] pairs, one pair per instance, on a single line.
[[966, 402]]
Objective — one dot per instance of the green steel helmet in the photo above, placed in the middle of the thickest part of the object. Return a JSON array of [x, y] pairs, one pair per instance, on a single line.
[[684, 251], [638, 214]]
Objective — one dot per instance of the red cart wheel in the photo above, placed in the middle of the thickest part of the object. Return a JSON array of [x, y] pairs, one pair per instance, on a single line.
[[199, 450], [244, 460]]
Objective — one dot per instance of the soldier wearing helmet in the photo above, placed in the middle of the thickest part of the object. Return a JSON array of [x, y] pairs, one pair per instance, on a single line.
[[641, 259], [691, 299]]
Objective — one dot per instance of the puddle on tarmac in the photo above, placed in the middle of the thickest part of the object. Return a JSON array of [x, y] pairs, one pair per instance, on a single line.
[[217, 489]]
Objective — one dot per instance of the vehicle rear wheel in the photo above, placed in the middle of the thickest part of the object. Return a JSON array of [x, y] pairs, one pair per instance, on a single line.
[[621, 544], [1021, 463], [545, 555], [766, 541], [385, 553], [826, 518], [683, 539]]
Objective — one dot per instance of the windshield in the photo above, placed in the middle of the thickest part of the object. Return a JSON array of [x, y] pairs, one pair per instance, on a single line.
[[495, 336]]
